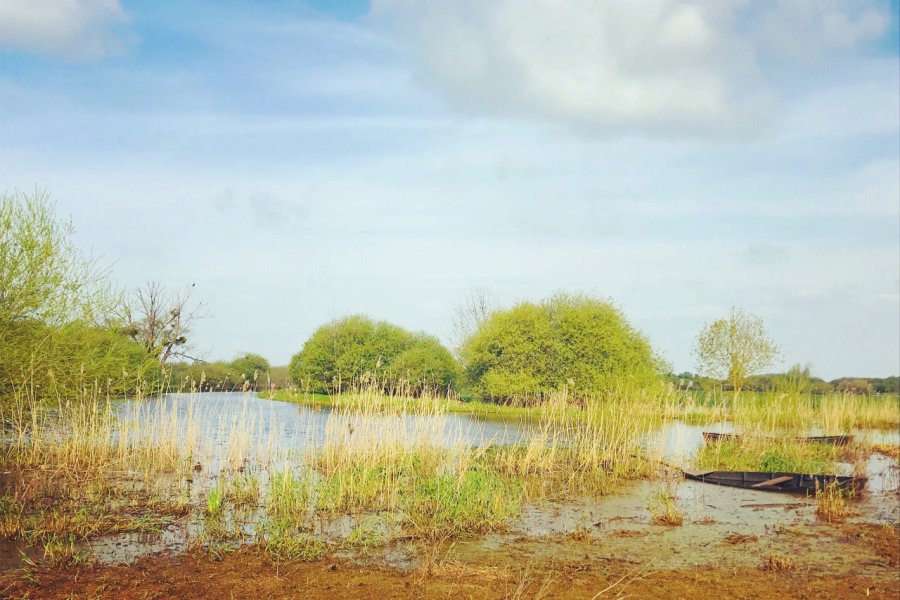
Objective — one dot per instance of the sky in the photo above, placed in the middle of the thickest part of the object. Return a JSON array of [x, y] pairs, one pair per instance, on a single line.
[[301, 161]]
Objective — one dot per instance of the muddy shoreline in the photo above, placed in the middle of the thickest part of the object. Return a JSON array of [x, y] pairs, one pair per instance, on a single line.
[[866, 554]]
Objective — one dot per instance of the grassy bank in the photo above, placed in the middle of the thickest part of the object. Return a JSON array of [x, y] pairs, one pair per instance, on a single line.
[[87, 469], [833, 414]]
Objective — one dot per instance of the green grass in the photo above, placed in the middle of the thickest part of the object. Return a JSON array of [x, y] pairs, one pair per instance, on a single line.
[[289, 496], [367, 534], [768, 454], [478, 501], [475, 408], [284, 539], [243, 490]]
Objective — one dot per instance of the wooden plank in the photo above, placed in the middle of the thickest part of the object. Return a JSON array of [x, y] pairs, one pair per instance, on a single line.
[[775, 481]]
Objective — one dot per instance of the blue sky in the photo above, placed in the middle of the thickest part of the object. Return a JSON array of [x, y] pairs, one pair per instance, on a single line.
[[303, 161]]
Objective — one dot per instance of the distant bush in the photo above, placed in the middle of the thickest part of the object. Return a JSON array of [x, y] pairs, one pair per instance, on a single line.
[[205, 376], [340, 353], [567, 340], [427, 364], [250, 367]]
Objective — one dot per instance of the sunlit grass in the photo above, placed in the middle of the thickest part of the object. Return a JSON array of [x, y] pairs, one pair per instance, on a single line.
[[763, 452]]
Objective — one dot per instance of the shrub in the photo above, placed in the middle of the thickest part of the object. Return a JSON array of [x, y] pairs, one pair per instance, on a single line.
[[57, 309], [567, 341], [340, 353], [426, 365], [249, 367]]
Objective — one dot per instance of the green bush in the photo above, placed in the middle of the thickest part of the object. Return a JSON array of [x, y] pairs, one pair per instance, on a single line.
[[427, 364], [250, 367], [566, 341], [340, 353], [58, 313]]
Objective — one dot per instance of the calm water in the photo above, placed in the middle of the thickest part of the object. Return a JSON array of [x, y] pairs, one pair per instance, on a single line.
[[219, 420]]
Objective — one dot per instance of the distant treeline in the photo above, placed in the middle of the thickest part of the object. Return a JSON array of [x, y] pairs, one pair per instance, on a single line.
[[788, 382], [249, 372]]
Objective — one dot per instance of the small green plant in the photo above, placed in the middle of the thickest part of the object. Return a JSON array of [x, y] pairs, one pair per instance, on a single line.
[[243, 491], [663, 507], [284, 540], [61, 551], [289, 496], [367, 534], [832, 502], [476, 501], [215, 500]]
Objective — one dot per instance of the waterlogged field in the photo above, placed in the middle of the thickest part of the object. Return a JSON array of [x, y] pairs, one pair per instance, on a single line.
[[431, 485]]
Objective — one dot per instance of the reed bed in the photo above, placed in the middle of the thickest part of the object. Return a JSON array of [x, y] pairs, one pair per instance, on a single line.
[[86, 468], [759, 450], [832, 414]]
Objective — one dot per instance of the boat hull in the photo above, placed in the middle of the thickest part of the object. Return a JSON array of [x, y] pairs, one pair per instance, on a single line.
[[789, 483], [836, 440]]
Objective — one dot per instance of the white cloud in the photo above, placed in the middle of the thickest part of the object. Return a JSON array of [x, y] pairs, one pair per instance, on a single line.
[[657, 66], [71, 29]]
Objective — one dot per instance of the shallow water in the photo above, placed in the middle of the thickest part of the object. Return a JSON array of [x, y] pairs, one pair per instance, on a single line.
[[222, 423], [267, 435]]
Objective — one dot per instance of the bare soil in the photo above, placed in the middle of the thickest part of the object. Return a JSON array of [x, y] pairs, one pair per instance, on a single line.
[[252, 574]]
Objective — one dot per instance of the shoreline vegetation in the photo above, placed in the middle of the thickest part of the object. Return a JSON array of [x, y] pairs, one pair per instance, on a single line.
[[84, 470], [93, 447], [833, 413]]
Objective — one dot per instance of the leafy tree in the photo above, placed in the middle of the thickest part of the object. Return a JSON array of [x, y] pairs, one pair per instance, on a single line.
[[250, 367], [57, 309], [856, 385], [426, 365], [567, 340], [735, 348], [339, 353], [43, 277]]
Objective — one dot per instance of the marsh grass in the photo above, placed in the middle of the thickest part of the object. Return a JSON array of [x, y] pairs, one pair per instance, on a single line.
[[244, 491], [832, 502], [663, 506], [367, 534], [86, 469], [289, 496], [283, 539], [215, 500], [777, 562], [834, 413], [760, 451]]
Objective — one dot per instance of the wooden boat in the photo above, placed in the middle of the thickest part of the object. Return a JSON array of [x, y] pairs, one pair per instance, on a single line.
[[835, 440], [791, 483]]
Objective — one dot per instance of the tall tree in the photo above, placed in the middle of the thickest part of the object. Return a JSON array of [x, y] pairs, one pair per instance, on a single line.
[[735, 348]]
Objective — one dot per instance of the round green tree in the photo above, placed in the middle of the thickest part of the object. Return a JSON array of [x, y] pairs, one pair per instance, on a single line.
[[249, 367], [339, 353], [426, 365], [574, 341]]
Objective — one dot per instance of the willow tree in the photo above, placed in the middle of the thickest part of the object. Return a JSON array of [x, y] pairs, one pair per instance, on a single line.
[[568, 341], [58, 330], [734, 348]]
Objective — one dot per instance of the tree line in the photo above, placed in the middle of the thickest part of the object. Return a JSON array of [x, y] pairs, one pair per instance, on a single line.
[[67, 331]]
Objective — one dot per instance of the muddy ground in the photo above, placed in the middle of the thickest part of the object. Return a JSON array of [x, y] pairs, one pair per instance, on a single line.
[[867, 558]]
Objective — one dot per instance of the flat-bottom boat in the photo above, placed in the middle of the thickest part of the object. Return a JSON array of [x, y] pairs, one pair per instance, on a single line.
[[835, 440], [791, 483]]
